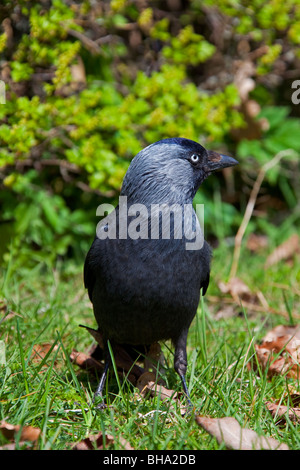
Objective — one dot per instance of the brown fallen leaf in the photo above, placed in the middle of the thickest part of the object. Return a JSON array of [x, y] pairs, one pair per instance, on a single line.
[[41, 350], [242, 295], [226, 311], [281, 412], [10, 446], [100, 442], [95, 334], [3, 307], [148, 379], [149, 386], [228, 431], [28, 433], [125, 364], [154, 360], [284, 251], [240, 292], [279, 351], [5, 312], [263, 306], [125, 357], [86, 361], [244, 71], [257, 242], [124, 361], [295, 399]]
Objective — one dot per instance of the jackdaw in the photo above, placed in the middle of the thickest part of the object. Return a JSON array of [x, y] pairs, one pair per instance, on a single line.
[[145, 285]]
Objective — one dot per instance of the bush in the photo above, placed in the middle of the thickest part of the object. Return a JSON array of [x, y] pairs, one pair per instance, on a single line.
[[88, 84]]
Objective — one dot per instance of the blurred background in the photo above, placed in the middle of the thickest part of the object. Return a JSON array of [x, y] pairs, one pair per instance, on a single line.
[[90, 83]]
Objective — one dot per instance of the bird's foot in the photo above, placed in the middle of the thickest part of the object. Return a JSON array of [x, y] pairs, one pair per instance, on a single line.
[[100, 406], [190, 407], [98, 395], [98, 401]]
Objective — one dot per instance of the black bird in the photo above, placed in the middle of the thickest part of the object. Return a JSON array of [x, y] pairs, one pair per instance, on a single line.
[[145, 286]]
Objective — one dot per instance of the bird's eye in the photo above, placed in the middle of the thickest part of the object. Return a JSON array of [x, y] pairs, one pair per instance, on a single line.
[[194, 159]]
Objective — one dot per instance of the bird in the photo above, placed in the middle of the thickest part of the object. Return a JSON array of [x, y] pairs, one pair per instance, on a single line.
[[145, 287]]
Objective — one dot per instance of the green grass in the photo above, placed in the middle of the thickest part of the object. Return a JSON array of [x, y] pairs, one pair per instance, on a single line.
[[54, 395]]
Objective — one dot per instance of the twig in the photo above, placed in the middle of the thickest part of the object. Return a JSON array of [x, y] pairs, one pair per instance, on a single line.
[[64, 167], [250, 206], [88, 43], [251, 307], [62, 164], [86, 188]]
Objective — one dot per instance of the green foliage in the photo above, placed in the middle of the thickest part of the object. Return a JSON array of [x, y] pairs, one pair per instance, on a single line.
[[188, 48], [88, 85], [283, 134], [43, 220], [261, 19]]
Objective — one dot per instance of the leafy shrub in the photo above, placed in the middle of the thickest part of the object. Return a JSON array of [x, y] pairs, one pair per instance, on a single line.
[[89, 84]]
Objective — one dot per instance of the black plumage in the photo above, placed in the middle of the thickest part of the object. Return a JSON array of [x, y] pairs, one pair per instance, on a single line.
[[146, 289]]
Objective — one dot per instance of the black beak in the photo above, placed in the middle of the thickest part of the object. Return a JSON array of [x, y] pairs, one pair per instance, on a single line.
[[217, 161]]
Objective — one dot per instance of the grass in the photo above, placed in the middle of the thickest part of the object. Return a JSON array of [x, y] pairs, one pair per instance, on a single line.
[[54, 395]]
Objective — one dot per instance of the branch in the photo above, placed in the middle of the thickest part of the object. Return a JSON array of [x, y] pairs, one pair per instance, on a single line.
[[64, 167], [250, 206], [88, 43]]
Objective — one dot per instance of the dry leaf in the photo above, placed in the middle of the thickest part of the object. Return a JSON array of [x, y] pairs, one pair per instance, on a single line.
[[28, 433], [279, 351], [147, 384], [78, 74], [282, 411], [5, 312], [94, 442], [95, 334], [154, 361], [241, 294], [257, 242], [97, 442], [126, 364], [2, 305], [86, 361], [239, 291], [143, 378], [41, 350], [284, 251], [149, 387], [225, 311], [125, 358], [244, 70], [11, 446], [228, 431], [295, 399], [243, 79]]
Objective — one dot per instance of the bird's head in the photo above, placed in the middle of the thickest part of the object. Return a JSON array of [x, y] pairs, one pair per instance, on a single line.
[[171, 170]]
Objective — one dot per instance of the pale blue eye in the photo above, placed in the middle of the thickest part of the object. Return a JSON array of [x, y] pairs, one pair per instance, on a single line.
[[195, 158]]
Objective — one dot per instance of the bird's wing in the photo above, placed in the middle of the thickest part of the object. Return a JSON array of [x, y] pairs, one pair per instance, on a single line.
[[204, 284], [205, 258], [90, 266], [98, 264], [97, 256]]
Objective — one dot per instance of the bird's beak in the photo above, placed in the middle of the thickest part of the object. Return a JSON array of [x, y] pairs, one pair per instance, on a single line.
[[217, 161]]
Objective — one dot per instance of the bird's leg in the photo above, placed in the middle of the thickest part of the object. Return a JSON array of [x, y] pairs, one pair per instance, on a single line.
[[187, 393], [99, 391], [180, 363]]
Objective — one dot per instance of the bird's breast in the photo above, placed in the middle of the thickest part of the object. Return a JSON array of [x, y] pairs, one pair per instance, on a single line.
[[147, 290]]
